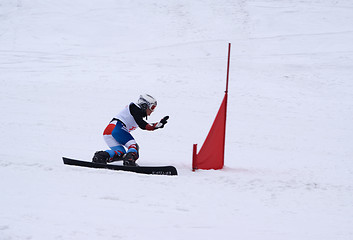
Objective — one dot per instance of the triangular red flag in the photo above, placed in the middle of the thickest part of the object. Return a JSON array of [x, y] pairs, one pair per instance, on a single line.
[[211, 155]]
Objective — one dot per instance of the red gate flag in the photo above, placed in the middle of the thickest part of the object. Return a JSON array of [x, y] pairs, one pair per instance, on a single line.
[[211, 155]]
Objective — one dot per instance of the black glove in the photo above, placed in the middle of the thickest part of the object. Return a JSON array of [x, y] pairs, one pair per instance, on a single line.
[[162, 122]]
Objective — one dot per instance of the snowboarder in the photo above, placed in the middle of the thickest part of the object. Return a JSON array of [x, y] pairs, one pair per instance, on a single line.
[[117, 133]]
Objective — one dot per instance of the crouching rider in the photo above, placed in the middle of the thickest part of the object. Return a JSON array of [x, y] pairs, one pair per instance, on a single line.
[[117, 134]]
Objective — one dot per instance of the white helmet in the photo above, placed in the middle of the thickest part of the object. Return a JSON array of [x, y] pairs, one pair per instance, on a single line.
[[147, 101]]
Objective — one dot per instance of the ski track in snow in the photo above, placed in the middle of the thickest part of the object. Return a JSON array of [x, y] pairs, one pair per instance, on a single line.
[[67, 67]]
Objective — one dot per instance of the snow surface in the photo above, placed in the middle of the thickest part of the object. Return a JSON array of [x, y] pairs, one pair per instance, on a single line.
[[66, 67]]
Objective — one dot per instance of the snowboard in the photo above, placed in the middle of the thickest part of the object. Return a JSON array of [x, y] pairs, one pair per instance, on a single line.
[[155, 170]]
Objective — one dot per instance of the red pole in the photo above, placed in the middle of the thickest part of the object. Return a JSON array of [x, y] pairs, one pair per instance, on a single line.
[[194, 157], [226, 102], [228, 67]]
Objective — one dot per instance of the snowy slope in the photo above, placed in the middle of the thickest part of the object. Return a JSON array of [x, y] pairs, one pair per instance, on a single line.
[[66, 67]]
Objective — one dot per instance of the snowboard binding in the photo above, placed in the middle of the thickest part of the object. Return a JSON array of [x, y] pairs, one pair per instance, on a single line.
[[130, 159], [101, 157]]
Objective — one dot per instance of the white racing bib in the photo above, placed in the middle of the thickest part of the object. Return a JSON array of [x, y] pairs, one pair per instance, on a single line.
[[126, 117]]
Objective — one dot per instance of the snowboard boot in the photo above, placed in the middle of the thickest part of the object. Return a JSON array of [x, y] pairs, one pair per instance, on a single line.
[[130, 159], [101, 157]]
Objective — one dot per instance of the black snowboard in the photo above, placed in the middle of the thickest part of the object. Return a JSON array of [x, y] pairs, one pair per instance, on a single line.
[[156, 170]]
